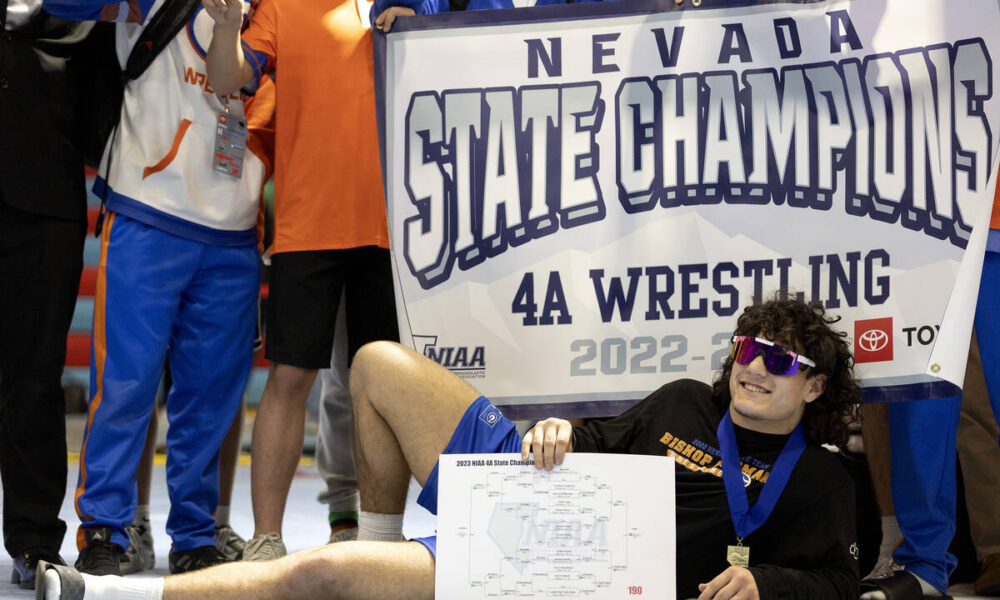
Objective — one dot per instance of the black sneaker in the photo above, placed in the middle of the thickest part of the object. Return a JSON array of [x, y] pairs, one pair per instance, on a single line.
[[26, 565], [185, 561], [99, 556]]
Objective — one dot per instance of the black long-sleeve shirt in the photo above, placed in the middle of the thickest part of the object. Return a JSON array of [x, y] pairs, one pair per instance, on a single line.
[[806, 550]]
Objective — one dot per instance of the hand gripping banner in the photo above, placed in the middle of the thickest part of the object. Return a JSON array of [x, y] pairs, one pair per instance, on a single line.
[[582, 198]]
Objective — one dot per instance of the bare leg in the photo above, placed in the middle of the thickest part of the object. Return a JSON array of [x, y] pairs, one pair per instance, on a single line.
[[980, 458], [229, 455], [277, 443], [406, 407], [354, 571], [144, 473], [875, 431]]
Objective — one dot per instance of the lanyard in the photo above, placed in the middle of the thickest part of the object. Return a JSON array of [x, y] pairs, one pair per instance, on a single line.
[[746, 519]]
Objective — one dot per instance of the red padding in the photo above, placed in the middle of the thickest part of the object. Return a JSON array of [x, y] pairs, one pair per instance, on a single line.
[[92, 212], [78, 350], [88, 282]]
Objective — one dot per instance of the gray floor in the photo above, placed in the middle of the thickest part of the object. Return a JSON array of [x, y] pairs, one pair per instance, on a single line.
[[305, 520]]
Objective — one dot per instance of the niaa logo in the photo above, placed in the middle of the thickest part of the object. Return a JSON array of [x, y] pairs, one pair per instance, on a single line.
[[455, 358]]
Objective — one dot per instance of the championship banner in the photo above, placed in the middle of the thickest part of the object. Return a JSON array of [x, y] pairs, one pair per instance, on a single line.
[[582, 198]]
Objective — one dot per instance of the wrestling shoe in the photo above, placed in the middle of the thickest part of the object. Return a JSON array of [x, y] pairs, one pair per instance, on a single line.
[[267, 546], [99, 556], [196, 559], [229, 543], [140, 555], [26, 565]]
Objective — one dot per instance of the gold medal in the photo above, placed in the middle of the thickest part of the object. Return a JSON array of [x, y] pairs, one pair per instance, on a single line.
[[738, 556]]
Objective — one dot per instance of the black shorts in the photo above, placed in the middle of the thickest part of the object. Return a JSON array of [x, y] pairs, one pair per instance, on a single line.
[[305, 292]]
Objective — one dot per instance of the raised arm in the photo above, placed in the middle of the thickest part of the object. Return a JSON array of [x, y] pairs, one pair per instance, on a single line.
[[228, 69]]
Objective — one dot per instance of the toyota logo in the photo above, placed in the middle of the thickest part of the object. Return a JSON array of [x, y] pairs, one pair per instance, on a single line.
[[873, 340]]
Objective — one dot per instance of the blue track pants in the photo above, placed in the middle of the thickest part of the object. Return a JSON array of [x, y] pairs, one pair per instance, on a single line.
[[159, 294], [922, 440]]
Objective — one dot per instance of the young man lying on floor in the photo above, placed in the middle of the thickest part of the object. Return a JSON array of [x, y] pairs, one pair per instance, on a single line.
[[786, 388]]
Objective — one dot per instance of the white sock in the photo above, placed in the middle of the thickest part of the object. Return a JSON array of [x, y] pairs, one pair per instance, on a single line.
[[108, 587], [141, 513], [221, 516], [380, 527], [53, 585]]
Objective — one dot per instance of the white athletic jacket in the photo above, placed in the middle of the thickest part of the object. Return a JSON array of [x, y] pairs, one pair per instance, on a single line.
[[160, 170]]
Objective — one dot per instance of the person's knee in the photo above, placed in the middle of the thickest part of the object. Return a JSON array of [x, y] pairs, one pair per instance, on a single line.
[[289, 382], [317, 572], [373, 362], [361, 570]]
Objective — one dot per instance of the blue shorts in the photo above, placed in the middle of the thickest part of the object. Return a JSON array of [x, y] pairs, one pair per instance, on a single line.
[[482, 430]]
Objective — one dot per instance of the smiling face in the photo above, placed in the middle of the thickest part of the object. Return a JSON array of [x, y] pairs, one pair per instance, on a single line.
[[770, 403]]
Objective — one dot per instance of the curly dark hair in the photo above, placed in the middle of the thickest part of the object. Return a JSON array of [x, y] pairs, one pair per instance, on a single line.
[[805, 328]]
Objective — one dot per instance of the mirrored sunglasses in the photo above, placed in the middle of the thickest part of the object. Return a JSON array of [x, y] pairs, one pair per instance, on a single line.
[[778, 360]]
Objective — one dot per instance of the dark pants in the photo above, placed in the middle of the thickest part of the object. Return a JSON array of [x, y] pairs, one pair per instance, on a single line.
[[40, 263]]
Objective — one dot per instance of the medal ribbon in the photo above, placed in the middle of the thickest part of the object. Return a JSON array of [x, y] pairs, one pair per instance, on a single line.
[[746, 519]]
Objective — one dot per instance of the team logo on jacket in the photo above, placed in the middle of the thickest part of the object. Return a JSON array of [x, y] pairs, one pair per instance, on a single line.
[[873, 340], [491, 416]]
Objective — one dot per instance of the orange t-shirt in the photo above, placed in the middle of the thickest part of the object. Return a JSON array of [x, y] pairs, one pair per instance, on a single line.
[[260, 124], [328, 182]]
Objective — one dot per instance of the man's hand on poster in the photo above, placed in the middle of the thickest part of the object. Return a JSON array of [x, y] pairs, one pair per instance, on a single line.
[[735, 583], [385, 20], [548, 441]]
